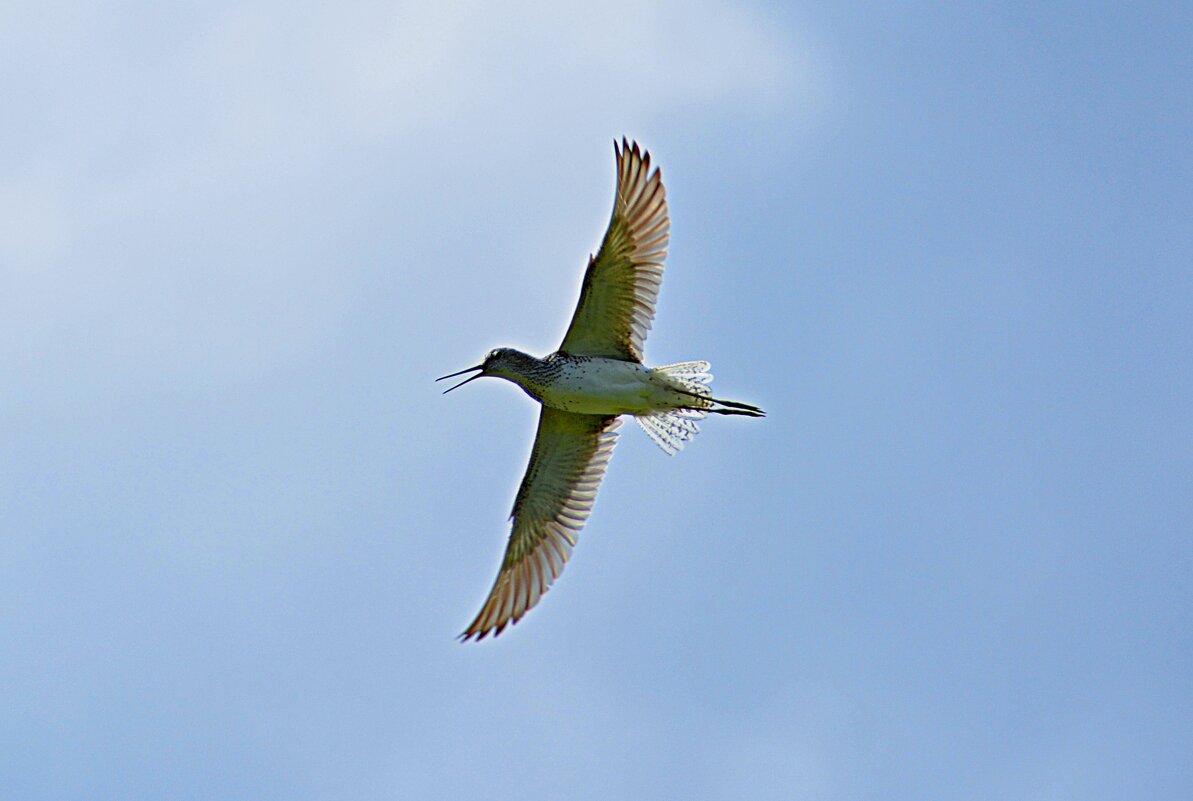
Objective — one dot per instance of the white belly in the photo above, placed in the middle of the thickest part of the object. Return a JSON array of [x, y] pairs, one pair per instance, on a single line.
[[606, 386]]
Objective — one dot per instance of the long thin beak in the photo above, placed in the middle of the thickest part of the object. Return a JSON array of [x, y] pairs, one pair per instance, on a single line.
[[465, 381]]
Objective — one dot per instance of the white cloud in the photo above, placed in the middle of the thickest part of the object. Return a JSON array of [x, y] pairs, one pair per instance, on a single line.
[[167, 192], [382, 67]]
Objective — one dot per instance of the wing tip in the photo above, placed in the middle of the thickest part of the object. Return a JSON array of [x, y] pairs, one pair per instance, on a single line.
[[630, 153], [476, 633], [501, 609]]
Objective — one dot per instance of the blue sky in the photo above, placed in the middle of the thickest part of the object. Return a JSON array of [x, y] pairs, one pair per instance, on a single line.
[[947, 246]]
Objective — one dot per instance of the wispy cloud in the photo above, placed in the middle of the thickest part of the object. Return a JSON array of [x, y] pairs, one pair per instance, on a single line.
[[167, 157]]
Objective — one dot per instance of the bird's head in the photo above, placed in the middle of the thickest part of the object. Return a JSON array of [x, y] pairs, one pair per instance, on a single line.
[[498, 362]]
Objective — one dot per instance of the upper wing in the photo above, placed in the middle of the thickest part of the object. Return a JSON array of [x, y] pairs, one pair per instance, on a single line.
[[566, 466], [622, 282]]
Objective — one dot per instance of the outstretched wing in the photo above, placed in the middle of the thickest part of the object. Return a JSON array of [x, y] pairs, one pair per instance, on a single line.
[[566, 466], [621, 284]]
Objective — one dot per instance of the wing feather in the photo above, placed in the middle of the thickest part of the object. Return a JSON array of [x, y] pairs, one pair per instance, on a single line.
[[621, 284], [567, 463]]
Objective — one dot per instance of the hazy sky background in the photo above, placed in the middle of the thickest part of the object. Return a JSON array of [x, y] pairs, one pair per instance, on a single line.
[[949, 247]]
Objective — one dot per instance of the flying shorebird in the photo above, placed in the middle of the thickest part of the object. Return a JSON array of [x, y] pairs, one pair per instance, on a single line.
[[596, 375]]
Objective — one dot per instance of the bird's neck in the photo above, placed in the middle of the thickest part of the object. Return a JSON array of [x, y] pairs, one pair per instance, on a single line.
[[529, 372]]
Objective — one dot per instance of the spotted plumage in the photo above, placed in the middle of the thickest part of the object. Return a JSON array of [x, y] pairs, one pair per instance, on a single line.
[[596, 375]]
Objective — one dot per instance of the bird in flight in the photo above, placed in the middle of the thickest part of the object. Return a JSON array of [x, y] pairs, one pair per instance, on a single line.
[[596, 376]]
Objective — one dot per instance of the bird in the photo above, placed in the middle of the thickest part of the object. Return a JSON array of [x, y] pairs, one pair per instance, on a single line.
[[596, 376]]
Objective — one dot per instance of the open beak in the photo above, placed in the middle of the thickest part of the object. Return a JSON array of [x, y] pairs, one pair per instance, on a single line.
[[465, 381]]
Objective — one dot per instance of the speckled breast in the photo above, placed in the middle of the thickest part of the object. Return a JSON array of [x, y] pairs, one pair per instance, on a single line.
[[594, 385]]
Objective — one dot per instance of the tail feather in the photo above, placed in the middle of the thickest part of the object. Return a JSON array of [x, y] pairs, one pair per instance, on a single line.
[[674, 428], [693, 376], [671, 430]]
